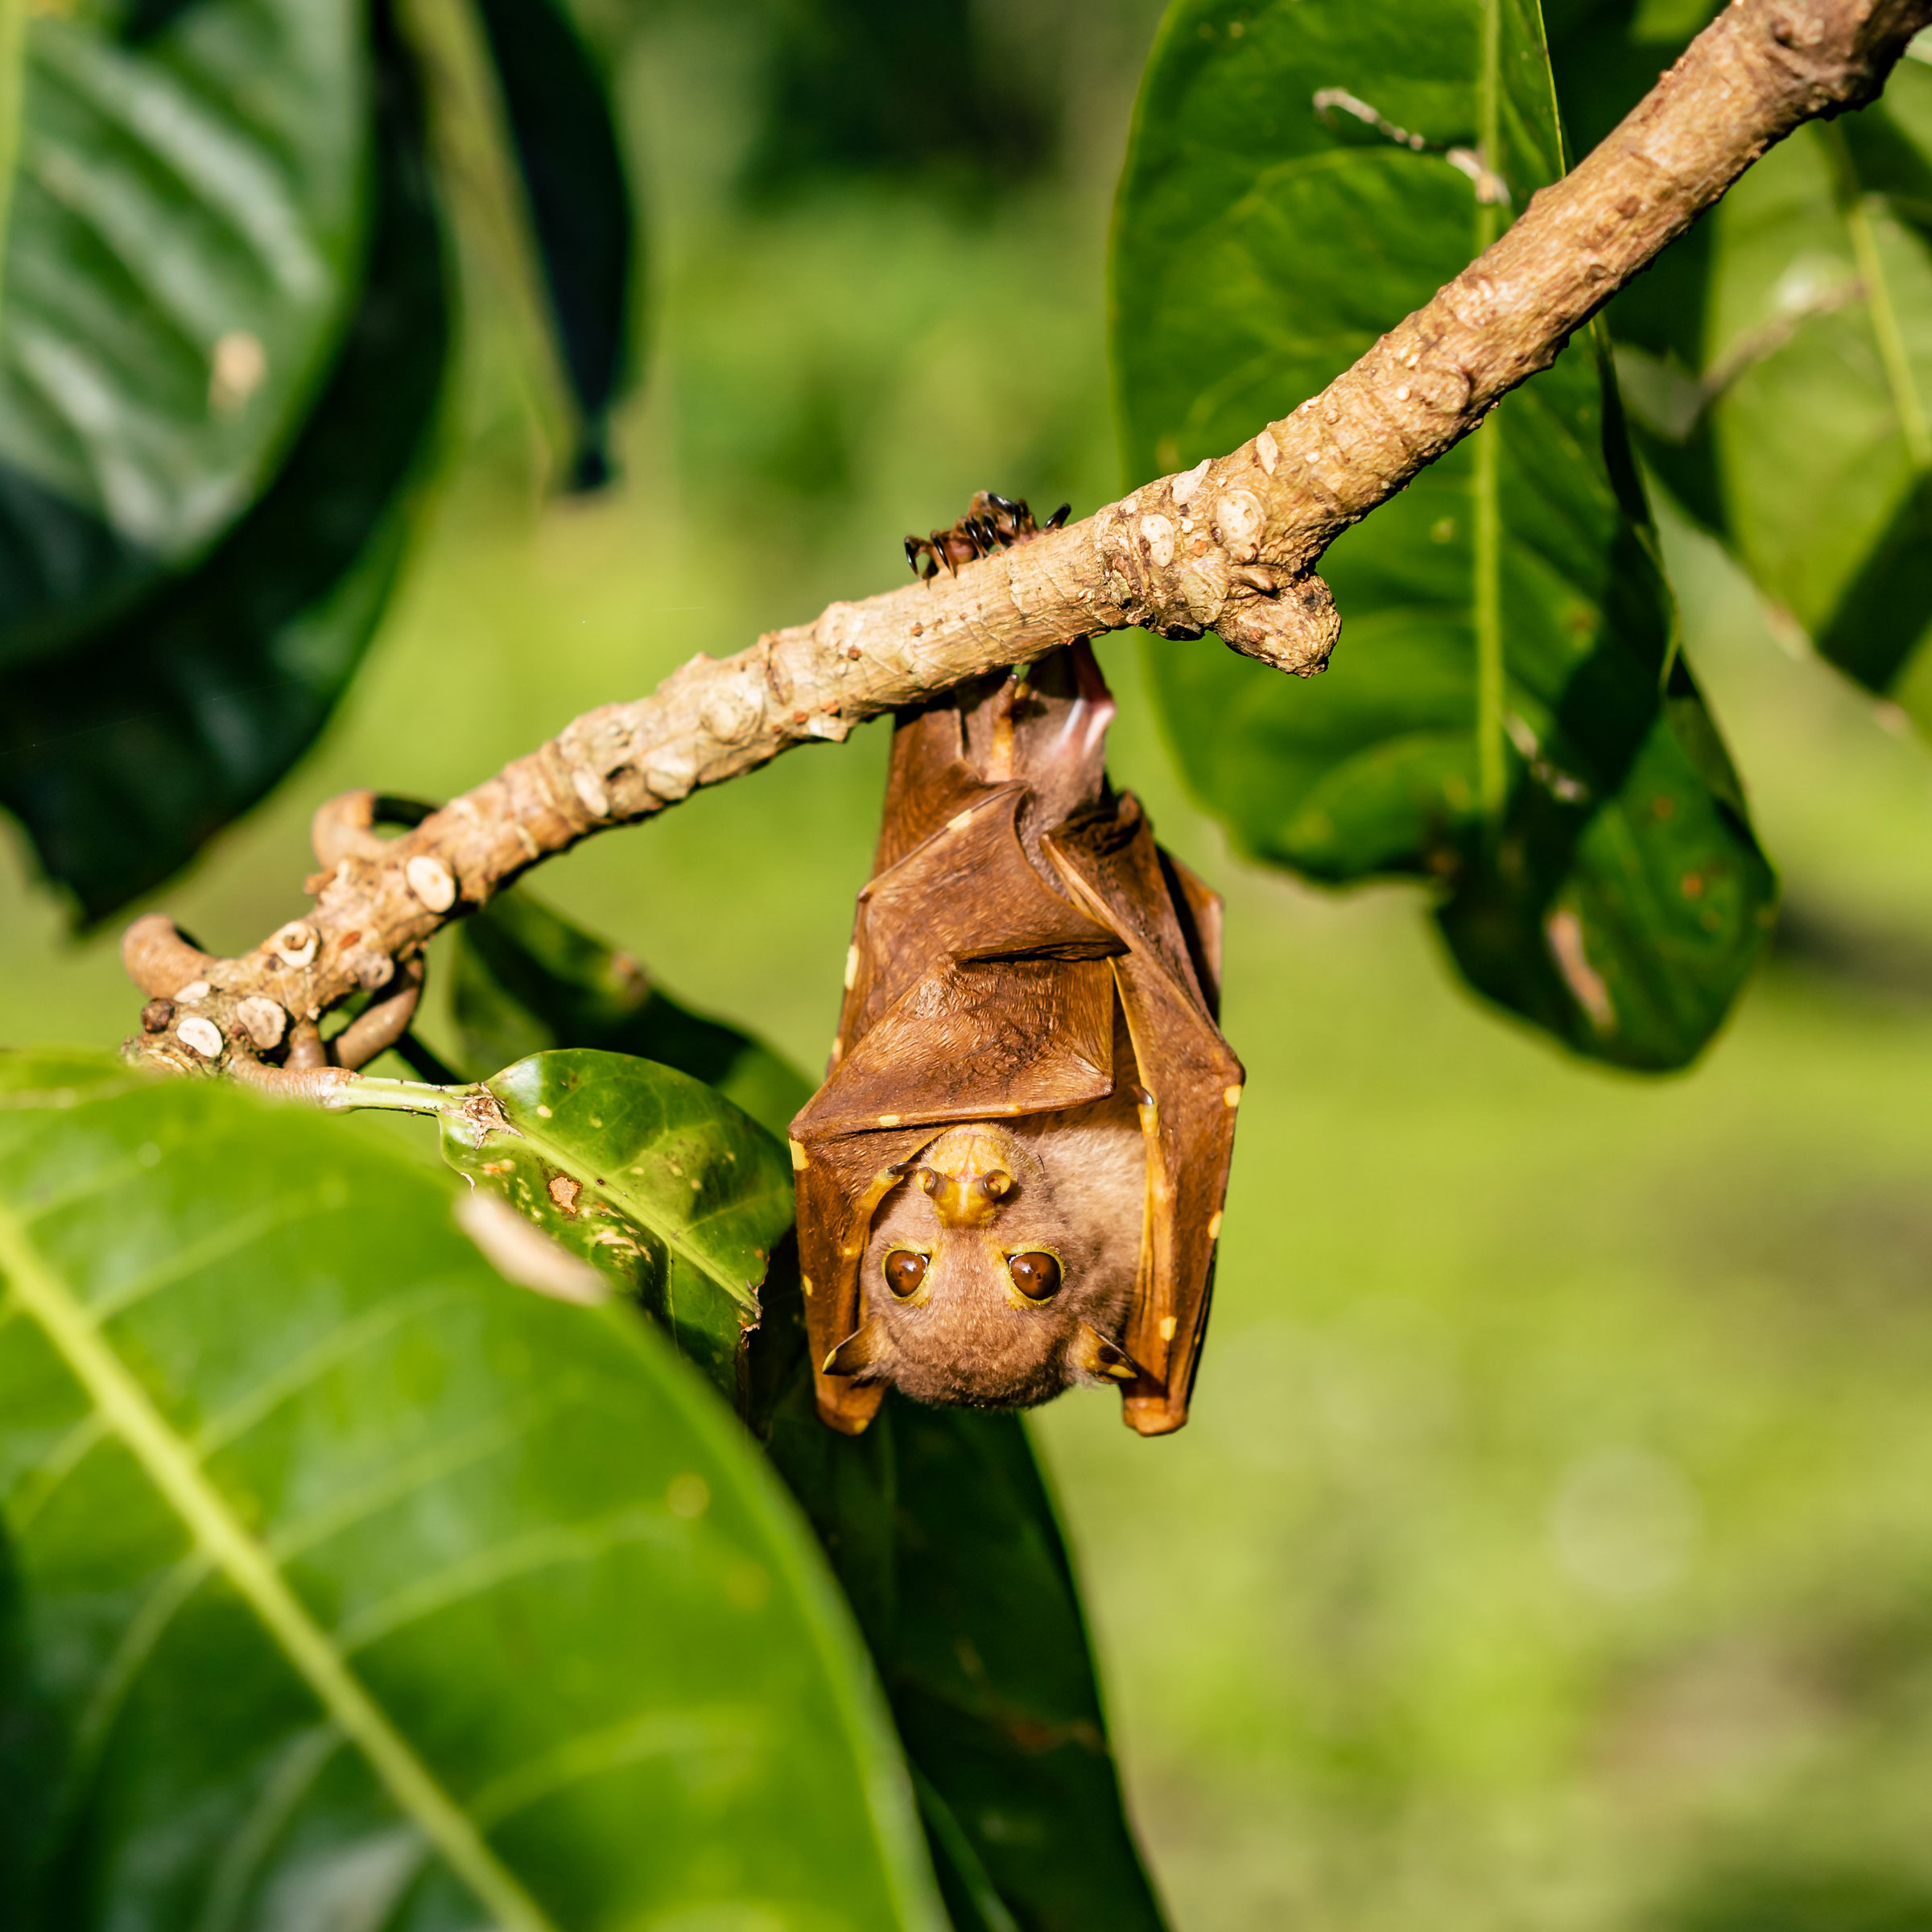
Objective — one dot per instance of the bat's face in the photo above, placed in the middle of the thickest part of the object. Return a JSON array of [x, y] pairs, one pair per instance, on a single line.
[[1001, 1270]]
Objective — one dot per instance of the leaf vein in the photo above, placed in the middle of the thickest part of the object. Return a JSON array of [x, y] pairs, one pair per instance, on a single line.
[[169, 1465]]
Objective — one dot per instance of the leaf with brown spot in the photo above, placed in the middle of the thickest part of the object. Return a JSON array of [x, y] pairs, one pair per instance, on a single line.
[[652, 1177]]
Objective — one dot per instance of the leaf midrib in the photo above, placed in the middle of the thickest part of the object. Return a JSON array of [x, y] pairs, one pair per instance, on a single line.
[[171, 1466], [1907, 403]]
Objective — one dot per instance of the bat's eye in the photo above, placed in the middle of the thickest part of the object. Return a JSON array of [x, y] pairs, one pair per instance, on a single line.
[[904, 1272], [1036, 1276]]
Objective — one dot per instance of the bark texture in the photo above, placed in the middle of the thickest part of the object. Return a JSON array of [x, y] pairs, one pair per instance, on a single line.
[[1229, 545]]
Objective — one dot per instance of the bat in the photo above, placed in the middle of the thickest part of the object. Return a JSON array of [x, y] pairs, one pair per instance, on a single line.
[[1011, 1181]]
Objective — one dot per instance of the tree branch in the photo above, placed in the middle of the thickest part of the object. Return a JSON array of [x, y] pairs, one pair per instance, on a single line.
[[1230, 546]]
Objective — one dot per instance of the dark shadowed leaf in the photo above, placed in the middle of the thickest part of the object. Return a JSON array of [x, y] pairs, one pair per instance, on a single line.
[[187, 233], [124, 754], [1507, 715], [524, 979], [567, 156], [940, 1527], [655, 1179], [893, 87], [1777, 361], [366, 1589]]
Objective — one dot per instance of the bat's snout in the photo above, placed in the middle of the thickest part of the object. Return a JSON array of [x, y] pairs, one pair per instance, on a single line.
[[970, 1172]]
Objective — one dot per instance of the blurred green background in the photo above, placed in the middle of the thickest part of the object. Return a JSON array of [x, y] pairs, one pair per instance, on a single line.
[[1551, 1545]]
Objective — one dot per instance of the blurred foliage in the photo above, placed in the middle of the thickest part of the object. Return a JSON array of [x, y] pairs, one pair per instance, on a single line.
[[222, 305], [125, 750], [177, 278], [1789, 334], [1771, 1899], [1511, 718], [580, 205], [908, 87]]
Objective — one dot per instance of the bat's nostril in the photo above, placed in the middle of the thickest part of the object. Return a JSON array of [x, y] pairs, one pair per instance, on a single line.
[[997, 1185]]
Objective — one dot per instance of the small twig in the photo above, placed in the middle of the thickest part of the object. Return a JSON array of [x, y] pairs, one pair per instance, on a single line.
[[1231, 546]]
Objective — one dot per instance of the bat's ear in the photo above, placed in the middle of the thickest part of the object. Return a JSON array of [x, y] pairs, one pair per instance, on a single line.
[[864, 1348], [1093, 1354]]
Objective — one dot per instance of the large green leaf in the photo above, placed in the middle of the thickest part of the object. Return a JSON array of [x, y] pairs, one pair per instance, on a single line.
[[650, 1176], [187, 229], [123, 755], [567, 156], [525, 979], [360, 1588], [1778, 361], [1508, 716]]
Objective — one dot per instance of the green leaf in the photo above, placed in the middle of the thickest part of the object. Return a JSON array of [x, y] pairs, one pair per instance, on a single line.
[[1507, 716], [1789, 336], [182, 257], [1813, 361], [123, 756], [941, 1529], [366, 1589], [567, 152], [651, 1176], [524, 979]]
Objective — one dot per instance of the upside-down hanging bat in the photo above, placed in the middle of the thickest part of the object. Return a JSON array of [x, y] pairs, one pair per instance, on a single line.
[[1011, 1180]]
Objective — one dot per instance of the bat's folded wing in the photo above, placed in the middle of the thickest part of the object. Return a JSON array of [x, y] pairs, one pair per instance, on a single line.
[[968, 891], [970, 1040], [1191, 1079]]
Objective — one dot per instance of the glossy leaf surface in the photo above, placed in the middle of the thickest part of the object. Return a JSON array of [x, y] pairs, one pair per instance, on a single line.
[[525, 979], [1777, 362], [183, 255], [360, 1587], [649, 1175], [572, 171], [124, 754], [1506, 716]]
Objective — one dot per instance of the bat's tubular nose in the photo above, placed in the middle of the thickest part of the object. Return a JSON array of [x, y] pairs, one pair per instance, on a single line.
[[970, 1172]]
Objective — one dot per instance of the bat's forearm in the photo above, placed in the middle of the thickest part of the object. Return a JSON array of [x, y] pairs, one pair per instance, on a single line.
[[1231, 546]]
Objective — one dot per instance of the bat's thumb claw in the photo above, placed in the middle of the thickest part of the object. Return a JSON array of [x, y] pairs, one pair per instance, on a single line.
[[1293, 626], [1095, 1354], [861, 1350]]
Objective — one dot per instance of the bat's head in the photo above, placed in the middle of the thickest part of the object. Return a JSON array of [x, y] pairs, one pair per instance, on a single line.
[[1000, 1271]]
